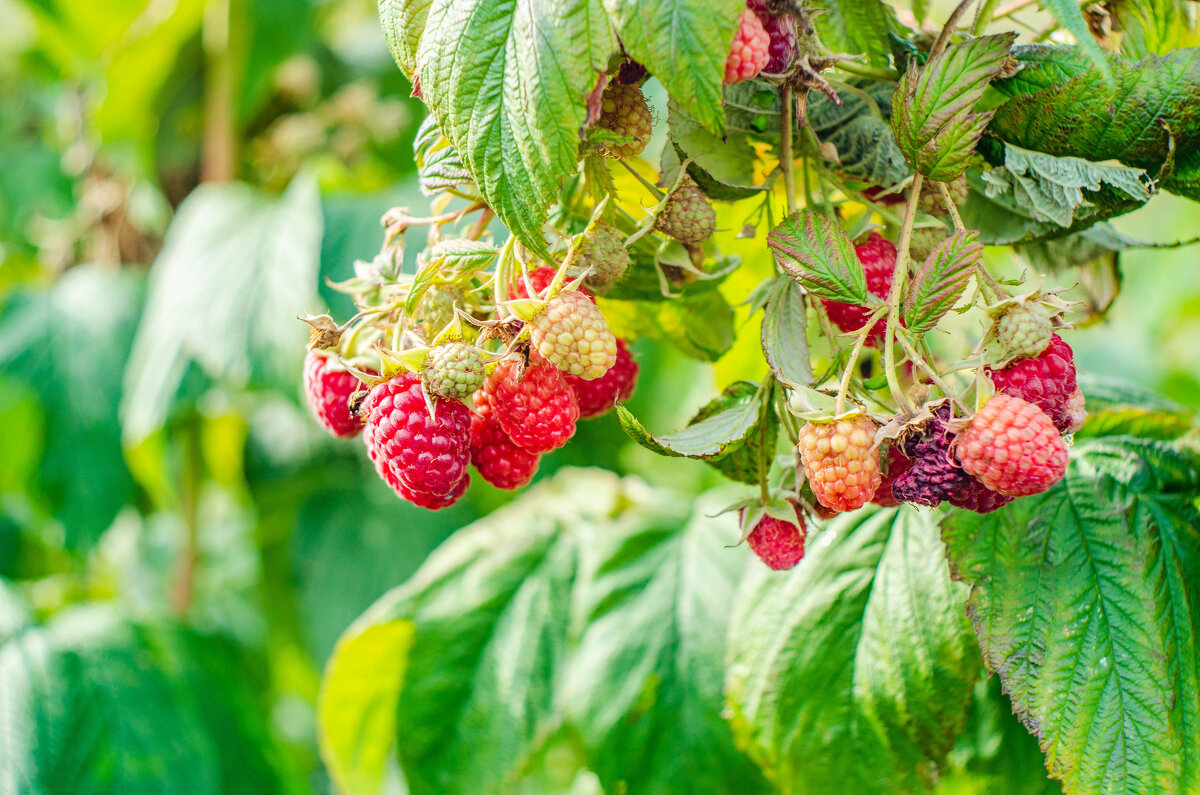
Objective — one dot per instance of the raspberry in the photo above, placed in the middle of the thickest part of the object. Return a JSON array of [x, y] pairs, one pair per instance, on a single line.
[[924, 240], [841, 461], [1023, 331], [1013, 447], [603, 251], [688, 217], [328, 391], [975, 496], [571, 334], [434, 502], [624, 112], [750, 50], [424, 454], [935, 472], [539, 280], [782, 33], [897, 465], [878, 258], [435, 311], [1046, 380], [598, 396], [453, 370], [538, 412], [931, 201], [499, 461], [777, 542], [1076, 412]]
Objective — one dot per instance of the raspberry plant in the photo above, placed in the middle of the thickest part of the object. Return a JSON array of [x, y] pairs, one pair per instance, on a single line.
[[911, 193]]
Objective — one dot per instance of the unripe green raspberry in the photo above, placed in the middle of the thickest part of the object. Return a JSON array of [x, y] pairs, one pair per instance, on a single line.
[[435, 311], [688, 217], [924, 240], [602, 250], [571, 334], [931, 198], [453, 370], [623, 110], [1023, 331]]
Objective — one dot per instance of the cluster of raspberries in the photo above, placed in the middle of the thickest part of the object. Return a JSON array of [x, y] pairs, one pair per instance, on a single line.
[[422, 430], [763, 43]]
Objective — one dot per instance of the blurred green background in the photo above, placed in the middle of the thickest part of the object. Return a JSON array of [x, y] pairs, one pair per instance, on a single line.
[[164, 497]]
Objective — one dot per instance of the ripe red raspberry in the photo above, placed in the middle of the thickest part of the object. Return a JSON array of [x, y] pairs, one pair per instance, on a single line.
[[419, 498], [598, 396], [425, 454], [1046, 380], [1013, 447], [750, 50], [571, 333], [499, 461], [975, 496], [539, 280], [935, 472], [841, 461], [328, 390], [897, 465], [539, 412], [687, 217], [777, 542], [878, 258], [623, 111], [782, 32]]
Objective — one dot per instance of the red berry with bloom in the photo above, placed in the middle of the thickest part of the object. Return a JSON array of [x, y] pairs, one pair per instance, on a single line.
[[1013, 447], [499, 461], [539, 411], [1046, 380], [423, 453], [598, 396], [750, 51], [878, 258], [328, 390], [778, 542]]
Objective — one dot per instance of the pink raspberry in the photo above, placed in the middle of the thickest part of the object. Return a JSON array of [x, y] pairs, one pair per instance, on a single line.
[[841, 461], [778, 543], [1013, 447], [750, 50], [539, 280], [598, 396], [782, 32], [1046, 380], [424, 454], [878, 258], [328, 391], [499, 461], [539, 411]]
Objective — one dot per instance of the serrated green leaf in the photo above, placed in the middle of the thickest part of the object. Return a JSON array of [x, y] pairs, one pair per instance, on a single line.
[[1124, 118], [717, 430], [713, 187], [749, 460], [1155, 27], [1042, 66], [1084, 600], [785, 334], [1118, 407], [684, 43], [856, 26], [507, 82], [931, 109], [236, 268], [699, 325], [68, 344], [438, 164], [403, 23], [941, 280], [861, 132], [815, 252], [589, 615], [1068, 14], [860, 652]]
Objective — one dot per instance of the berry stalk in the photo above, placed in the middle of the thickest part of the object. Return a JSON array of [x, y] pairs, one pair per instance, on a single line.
[[899, 276]]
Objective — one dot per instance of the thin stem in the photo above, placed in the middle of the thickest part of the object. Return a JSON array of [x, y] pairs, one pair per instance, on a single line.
[[863, 70], [951, 207], [984, 16], [929, 370], [218, 162], [763, 467], [899, 277], [645, 182], [786, 159], [988, 284], [183, 585], [951, 23], [481, 224], [863, 334]]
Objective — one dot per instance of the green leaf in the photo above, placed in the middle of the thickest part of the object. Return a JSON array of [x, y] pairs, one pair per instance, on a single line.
[[507, 82], [856, 26], [403, 23], [588, 616], [749, 460], [1042, 66], [932, 108], [820, 257], [684, 43], [94, 703], [862, 652], [941, 280], [1155, 27], [699, 325], [717, 430], [1117, 407], [712, 186], [861, 131], [69, 345], [785, 334], [235, 270], [1068, 14], [438, 163], [1085, 602], [1125, 118]]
